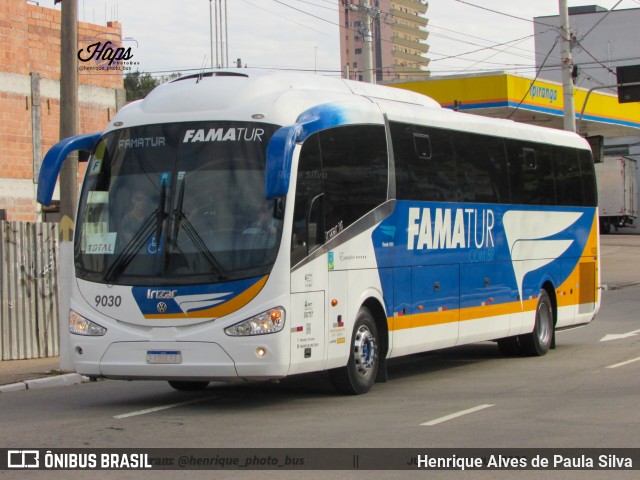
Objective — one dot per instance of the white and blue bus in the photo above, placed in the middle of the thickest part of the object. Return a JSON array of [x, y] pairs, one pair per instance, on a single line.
[[248, 225]]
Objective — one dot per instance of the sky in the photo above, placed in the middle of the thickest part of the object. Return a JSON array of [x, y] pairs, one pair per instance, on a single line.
[[465, 36]]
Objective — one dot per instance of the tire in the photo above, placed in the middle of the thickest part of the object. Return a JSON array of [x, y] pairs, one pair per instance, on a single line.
[[538, 342], [186, 386], [359, 375]]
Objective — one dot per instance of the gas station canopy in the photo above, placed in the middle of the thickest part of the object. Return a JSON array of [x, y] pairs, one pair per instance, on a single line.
[[521, 99]]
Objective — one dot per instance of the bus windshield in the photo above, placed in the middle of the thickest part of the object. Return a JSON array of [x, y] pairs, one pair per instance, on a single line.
[[177, 204]]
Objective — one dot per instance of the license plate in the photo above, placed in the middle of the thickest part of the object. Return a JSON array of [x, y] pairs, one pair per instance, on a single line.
[[164, 357]]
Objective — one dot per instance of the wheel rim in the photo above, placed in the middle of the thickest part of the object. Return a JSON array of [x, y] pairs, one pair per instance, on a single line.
[[543, 325], [364, 351]]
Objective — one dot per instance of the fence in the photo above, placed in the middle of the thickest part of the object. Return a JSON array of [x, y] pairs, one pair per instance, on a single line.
[[28, 290]]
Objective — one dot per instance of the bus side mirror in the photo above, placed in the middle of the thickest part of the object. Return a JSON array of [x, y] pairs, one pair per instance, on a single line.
[[55, 157]]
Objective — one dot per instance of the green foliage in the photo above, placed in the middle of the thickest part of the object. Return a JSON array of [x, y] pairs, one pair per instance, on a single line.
[[138, 85]]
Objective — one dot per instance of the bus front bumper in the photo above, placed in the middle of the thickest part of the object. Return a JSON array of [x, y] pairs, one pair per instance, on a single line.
[[176, 361]]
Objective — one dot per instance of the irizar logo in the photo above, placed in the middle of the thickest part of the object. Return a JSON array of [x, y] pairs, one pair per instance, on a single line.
[[528, 233], [446, 228]]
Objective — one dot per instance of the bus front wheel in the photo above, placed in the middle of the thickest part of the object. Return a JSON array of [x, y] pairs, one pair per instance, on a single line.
[[359, 375], [538, 342]]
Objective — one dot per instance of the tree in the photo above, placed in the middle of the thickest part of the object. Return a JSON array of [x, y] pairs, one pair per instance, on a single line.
[[138, 85]]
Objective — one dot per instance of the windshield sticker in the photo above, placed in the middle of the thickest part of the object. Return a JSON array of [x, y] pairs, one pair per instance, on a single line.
[[100, 243], [224, 135], [141, 142], [96, 167]]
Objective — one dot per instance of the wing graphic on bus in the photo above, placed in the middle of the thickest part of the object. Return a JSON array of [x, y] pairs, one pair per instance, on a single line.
[[528, 233], [188, 303]]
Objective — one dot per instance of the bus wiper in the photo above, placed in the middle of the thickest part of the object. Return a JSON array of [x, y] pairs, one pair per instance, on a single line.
[[200, 245], [181, 220], [131, 249], [177, 215], [160, 211]]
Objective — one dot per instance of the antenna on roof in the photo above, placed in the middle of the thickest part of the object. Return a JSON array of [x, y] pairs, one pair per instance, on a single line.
[[204, 61]]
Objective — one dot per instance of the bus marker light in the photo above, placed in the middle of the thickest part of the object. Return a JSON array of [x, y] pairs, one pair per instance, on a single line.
[[261, 352], [334, 302]]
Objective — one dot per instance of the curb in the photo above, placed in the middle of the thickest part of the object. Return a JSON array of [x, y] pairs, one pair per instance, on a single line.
[[46, 382]]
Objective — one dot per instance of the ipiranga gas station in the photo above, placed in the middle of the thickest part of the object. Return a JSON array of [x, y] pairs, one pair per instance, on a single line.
[[503, 95]]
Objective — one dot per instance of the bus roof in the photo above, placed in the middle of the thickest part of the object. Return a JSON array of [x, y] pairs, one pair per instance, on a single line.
[[280, 98]]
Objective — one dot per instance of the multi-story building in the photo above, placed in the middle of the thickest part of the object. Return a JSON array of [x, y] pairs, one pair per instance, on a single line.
[[30, 95], [399, 35]]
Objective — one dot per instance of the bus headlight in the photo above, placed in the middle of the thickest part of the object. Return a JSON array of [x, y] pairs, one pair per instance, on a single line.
[[271, 321], [81, 326]]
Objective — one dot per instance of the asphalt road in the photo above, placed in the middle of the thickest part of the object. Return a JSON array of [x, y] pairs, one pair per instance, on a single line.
[[583, 394]]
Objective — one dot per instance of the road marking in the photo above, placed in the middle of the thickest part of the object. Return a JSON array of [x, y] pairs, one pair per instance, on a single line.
[[622, 364], [619, 336], [163, 407], [455, 415]]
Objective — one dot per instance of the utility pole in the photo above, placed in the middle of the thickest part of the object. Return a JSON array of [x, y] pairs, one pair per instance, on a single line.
[[567, 67], [211, 33], [69, 170], [69, 104], [367, 42]]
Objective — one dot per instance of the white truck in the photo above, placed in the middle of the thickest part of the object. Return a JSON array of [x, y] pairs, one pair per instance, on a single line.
[[617, 192]]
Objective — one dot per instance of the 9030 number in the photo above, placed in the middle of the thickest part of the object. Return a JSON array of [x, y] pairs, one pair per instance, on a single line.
[[108, 300]]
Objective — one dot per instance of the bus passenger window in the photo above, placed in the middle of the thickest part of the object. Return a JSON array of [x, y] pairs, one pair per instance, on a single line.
[[355, 174]]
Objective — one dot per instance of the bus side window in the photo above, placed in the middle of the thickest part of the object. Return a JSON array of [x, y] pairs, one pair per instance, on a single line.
[[567, 176], [425, 167], [530, 173], [588, 178], [355, 174], [308, 209], [482, 168]]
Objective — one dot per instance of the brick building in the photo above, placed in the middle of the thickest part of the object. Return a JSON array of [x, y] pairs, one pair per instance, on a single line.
[[30, 96]]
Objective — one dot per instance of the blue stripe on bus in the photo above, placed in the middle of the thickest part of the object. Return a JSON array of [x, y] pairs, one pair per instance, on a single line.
[[431, 254]]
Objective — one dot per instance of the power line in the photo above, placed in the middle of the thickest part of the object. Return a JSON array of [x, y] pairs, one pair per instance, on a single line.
[[600, 21], [533, 81]]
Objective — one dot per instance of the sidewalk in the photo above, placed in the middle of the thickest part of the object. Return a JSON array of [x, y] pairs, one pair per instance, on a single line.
[[36, 373]]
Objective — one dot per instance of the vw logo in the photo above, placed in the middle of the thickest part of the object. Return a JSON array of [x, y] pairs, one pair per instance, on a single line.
[[162, 307]]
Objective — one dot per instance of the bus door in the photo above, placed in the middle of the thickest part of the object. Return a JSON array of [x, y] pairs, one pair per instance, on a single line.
[[309, 275]]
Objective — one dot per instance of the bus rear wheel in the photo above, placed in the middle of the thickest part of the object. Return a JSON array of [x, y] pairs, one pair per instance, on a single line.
[[538, 342], [359, 375], [186, 386]]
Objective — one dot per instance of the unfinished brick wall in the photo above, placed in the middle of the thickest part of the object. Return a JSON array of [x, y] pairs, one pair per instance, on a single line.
[[30, 39]]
